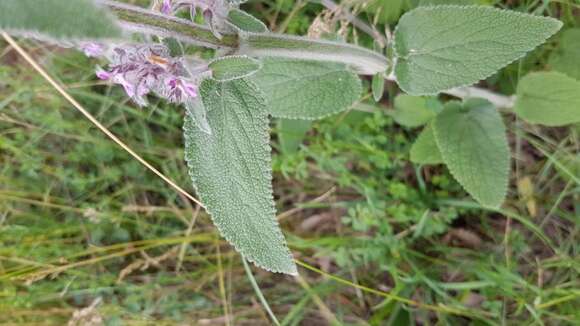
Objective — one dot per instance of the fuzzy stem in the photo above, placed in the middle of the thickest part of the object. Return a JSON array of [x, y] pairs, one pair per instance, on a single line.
[[499, 100], [150, 22], [364, 61]]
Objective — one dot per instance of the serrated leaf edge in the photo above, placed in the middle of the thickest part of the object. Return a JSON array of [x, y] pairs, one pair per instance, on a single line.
[[454, 172], [345, 69], [266, 138], [432, 7]]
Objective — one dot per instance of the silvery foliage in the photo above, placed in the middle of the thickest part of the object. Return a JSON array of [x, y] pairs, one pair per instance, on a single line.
[[258, 75]]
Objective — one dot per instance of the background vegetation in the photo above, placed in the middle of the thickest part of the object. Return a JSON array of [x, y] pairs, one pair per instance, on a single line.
[[88, 236]]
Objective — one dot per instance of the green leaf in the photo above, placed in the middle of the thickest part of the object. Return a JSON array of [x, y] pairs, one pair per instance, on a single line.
[[291, 134], [566, 57], [548, 98], [378, 86], [425, 149], [450, 2], [307, 90], [442, 47], [231, 171], [386, 12], [198, 113], [246, 22], [234, 67], [473, 143], [415, 111], [57, 19]]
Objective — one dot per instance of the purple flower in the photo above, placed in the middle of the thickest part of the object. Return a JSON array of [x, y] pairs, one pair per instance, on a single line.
[[178, 89], [92, 49], [166, 7], [142, 69]]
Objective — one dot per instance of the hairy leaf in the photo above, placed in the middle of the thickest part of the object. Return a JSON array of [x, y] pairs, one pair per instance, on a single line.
[[307, 90], [232, 174], [425, 149], [566, 58], [473, 143], [57, 19], [234, 67], [378, 86], [415, 111], [197, 112], [451, 2], [548, 98], [291, 134], [386, 12], [442, 47], [246, 22]]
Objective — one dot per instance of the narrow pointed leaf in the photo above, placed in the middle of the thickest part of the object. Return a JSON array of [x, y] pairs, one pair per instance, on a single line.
[[57, 19], [548, 98], [473, 143], [307, 90], [231, 171], [378, 86], [442, 47]]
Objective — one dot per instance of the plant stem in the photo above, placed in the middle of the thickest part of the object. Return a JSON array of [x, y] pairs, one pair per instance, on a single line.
[[498, 100], [364, 61], [137, 19]]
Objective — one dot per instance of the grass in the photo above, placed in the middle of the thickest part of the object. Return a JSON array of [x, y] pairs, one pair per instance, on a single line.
[[379, 241]]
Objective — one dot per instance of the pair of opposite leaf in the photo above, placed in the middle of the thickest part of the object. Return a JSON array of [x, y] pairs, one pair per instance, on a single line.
[[436, 48]]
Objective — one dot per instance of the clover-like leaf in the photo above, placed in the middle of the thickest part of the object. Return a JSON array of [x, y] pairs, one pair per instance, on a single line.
[[231, 172], [442, 47], [57, 19], [306, 90], [472, 139]]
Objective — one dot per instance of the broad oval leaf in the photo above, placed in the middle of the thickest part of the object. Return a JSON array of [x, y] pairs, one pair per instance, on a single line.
[[425, 149], [234, 67], [291, 133], [415, 111], [231, 172], [473, 143], [57, 19], [566, 57], [246, 22], [548, 98], [442, 47], [307, 90]]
